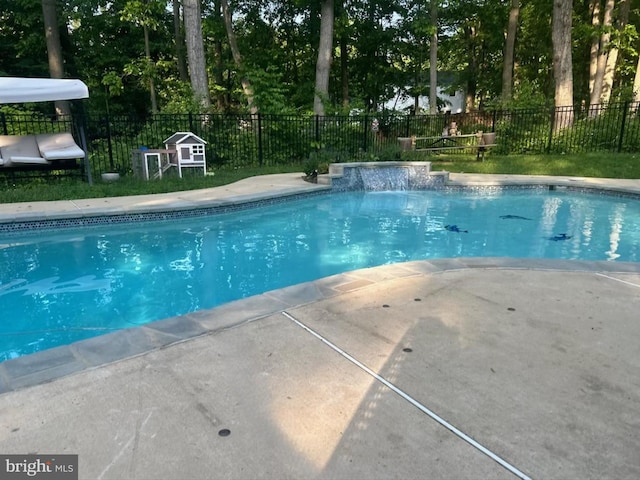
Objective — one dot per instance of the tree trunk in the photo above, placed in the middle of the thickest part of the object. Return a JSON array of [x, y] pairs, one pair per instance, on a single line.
[[218, 69], [472, 70], [433, 60], [603, 51], [149, 73], [624, 7], [594, 9], [636, 83], [237, 58], [54, 50], [344, 70], [195, 52], [562, 68], [218, 63], [178, 38], [509, 51], [323, 64]]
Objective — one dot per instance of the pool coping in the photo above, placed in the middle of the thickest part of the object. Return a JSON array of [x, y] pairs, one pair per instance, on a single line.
[[256, 191], [48, 365]]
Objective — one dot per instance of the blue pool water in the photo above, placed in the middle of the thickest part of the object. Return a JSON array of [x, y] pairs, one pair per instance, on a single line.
[[57, 288]]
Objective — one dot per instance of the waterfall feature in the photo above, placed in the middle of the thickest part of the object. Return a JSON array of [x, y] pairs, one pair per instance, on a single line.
[[379, 176], [379, 179]]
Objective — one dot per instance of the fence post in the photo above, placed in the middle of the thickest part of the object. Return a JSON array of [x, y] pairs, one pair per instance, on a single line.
[[190, 121], [407, 129], [82, 127], [260, 153], [623, 125], [4, 123], [317, 132], [493, 121]]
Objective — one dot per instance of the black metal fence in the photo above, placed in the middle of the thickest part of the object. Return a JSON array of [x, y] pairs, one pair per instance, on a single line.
[[237, 141]]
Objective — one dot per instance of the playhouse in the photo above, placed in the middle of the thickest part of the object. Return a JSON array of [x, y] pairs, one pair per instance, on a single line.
[[189, 151]]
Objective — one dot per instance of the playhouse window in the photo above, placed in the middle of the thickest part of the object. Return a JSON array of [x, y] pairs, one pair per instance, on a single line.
[[198, 152]]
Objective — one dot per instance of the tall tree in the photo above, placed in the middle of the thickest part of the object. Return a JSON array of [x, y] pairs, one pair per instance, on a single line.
[[141, 13], [471, 37], [325, 55], [636, 83], [509, 51], [342, 34], [247, 88], [562, 62], [624, 7], [594, 12], [54, 50], [219, 34], [344, 70], [603, 51], [195, 52], [471, 47], [433, 59], [178, 35]]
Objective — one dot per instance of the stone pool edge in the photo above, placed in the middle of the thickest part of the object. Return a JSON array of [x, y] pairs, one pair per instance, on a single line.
[[270, 189], [49, 365]]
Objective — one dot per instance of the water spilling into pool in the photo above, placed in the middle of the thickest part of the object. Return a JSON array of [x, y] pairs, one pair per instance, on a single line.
[[383, 179], [57, 288]]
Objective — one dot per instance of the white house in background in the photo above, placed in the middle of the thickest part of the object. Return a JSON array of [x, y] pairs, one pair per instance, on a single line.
[[453, 103], [189, 151]]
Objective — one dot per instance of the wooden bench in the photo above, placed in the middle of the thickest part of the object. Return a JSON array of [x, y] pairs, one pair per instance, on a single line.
[[480, 142]]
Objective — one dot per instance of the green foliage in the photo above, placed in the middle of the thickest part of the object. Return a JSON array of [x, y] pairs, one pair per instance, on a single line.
[[177, 98], [386, 43], [526, 94], [16, 110], [113, 83], [142, 13], [600, 133], [317, 163], [22, 41], [269, 91], [523, 131], [310, 167], [322, 158], [384, 153]]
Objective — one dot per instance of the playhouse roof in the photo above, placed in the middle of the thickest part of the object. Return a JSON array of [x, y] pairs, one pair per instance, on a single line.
[[24, 90], [183, 137]]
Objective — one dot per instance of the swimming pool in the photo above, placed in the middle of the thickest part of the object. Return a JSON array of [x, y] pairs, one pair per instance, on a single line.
[[62, 287]]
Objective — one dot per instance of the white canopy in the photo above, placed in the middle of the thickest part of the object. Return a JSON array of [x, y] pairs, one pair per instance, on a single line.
[[24, 90]]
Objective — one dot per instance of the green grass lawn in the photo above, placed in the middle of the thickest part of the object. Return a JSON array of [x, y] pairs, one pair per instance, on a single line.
[[603, 165], [69, 189]]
